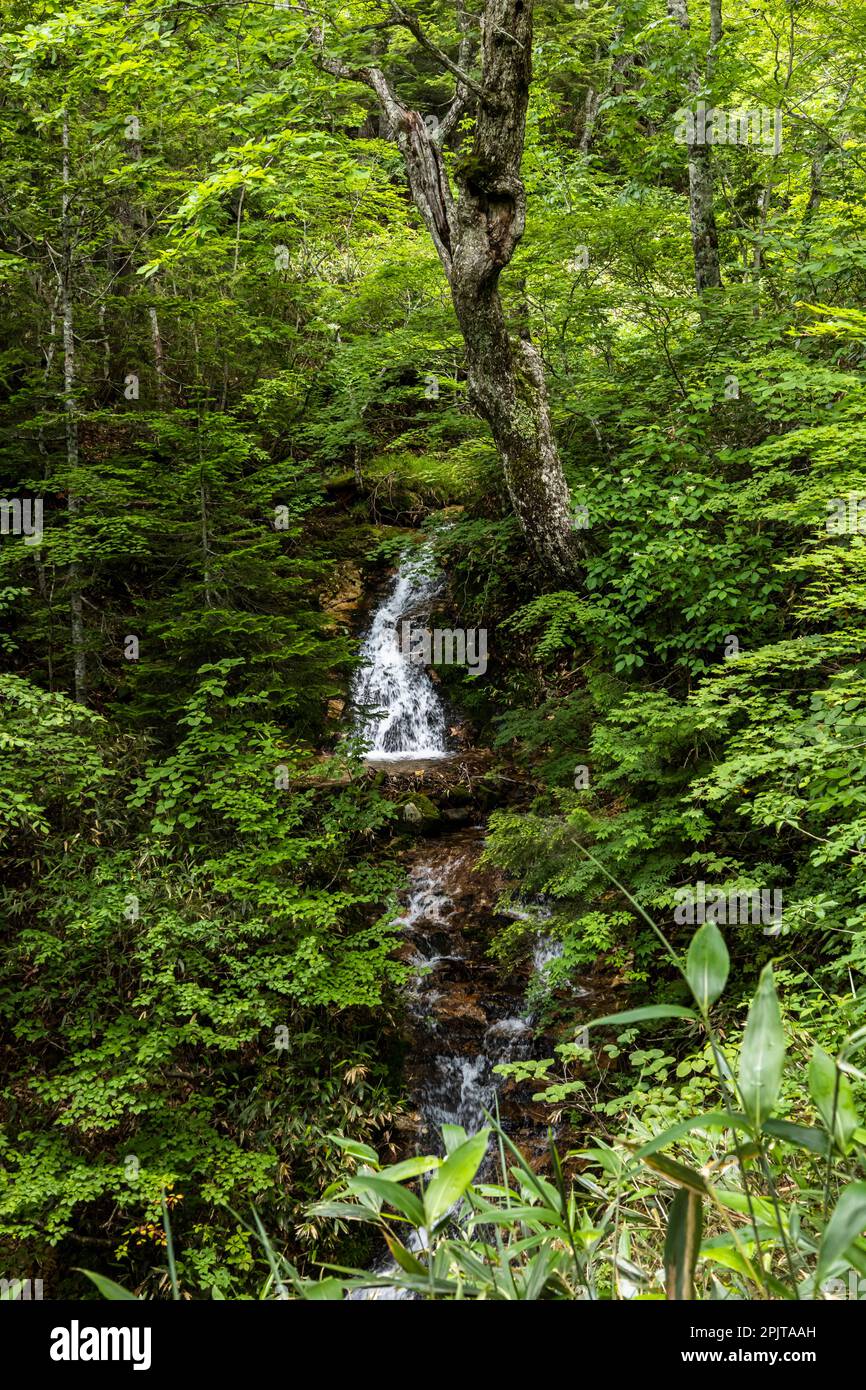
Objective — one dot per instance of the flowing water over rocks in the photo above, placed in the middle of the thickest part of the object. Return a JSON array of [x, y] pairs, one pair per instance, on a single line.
[[464, 1016], [402, 715]]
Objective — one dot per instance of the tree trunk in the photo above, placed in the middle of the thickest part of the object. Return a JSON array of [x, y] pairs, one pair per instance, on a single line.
[[158, 356], [475, 236], [702, 217], [73, 506]]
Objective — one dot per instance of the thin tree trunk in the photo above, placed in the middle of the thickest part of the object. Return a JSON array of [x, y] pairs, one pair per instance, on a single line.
[[73, 506], [45, 593], [702, 217], [590, 113], [475, 235], [158, 357]]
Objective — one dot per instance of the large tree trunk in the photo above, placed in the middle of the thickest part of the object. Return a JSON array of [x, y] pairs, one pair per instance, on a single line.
[[475, 236]]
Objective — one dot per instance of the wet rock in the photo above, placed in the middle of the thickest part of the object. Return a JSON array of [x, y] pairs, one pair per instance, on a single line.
[[421, 814], [344, 592]]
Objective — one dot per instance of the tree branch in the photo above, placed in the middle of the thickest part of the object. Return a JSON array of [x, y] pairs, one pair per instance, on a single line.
[[409, 21], [425, 169]]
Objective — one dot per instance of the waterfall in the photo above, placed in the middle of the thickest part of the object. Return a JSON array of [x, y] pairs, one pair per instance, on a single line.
[[400, 714], [463, 1023]]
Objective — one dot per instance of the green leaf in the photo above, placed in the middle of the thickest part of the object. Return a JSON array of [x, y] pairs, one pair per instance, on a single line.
[[344, 1211], [677, 1173], [647, 1012], [804, 1136], [453, 1178], [707, 964], [356, 1149], [453, 1136], [845, 1225], [835, 1106], [322, 1290], [682, 1244], [762, 1054], [410, 1168], [715, 1119], [108, 1288], [400, 1198], [403, 1257]]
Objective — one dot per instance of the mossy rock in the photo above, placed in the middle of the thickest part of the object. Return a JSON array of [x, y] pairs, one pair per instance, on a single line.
[[419, 813]]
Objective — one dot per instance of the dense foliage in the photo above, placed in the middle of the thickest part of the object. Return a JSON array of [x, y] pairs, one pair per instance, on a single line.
[[232, 371]]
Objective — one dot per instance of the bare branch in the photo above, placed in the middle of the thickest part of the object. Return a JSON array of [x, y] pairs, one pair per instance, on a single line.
[[428, 180], [468, 45], [409, 21]]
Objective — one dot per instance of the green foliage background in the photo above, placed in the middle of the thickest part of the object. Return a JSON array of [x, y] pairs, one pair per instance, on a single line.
[[167, 906]]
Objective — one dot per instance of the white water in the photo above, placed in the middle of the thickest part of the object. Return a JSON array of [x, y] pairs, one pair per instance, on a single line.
[[458, 1089], [400, 713], [401, 717]]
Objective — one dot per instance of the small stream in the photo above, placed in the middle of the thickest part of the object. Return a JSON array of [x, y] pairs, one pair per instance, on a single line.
[[463, 1018]]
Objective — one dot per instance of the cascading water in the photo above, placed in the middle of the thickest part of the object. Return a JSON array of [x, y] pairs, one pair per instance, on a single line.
[[464, 1019], [464, 1038], [400, 713], [458, 1037]]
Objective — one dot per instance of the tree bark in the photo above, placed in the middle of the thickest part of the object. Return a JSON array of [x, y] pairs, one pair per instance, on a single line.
[[73, 506], [475, 234], [702, 217]]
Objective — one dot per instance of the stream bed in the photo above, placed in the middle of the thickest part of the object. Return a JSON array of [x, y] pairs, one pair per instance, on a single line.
[[464, 1015]]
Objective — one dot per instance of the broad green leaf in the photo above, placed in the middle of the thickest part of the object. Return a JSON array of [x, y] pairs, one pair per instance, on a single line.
[[804, 1136], [454, 1176], [707, 964], [676, 1173], [452, 1137], [400, 1198], [715, 1119], [762, 1054], [847, 1222], [108, 1288], [649, 1011], [410, 1168], [745, 1205], [832, 1093], [682, 1244], [403, 1257], [353, 1147], [322, 1290], [344, 1211]]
